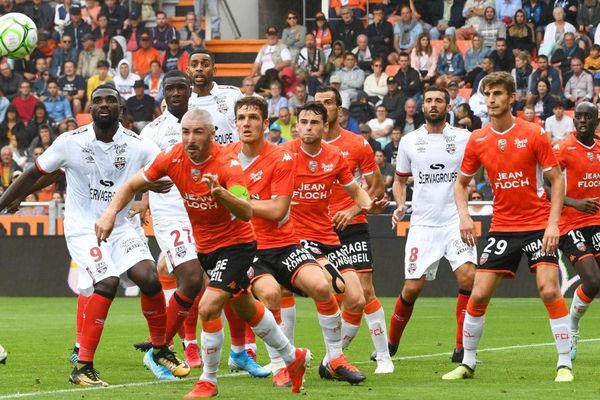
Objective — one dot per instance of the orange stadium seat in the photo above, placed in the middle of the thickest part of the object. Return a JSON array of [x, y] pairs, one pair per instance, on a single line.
[[570, 113], [463, 46], [438, 45], [83, 118], [465, 93], [392, 70]]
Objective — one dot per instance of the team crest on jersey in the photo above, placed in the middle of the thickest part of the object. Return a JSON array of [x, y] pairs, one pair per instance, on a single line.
[[451, 148], [581, 246], [590, 156], [196, 173], [250, 272], [483, 258], [327, 167], [120, 163], [312, 166], [502, 144], [120, 148]]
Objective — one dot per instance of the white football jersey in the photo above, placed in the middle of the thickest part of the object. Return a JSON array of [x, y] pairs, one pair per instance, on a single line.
[[221, 104], [165, 131], [94, 171], [433, 160]]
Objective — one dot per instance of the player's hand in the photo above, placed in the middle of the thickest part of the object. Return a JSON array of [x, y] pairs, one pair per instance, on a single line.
[[590, 205], [14, 206], [160, 186], [341, 219], [141, 208], [397, 215], [467, 231], [551, 237], [377, 206], [212, 180], [104, 226]]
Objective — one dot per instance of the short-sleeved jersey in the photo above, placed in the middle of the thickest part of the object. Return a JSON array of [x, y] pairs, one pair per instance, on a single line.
[[515, 161], [433, 160], [361, 161], [214, 226], [269, 175], [581, 170], [221, 104], [315, 176], [165, 131], [95, 170]]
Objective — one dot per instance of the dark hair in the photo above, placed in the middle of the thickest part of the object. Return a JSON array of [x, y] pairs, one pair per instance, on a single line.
[[253, 101], [379, 151], [155, 62], [436, 88], [102, 64], [403, 54], [595, 47], [203, 51], [116, 55], [102, 14], [314, 107], [325, 89], [44, 126], [545, 82], [466, 107], [501, 39], [295, 14], [543, 56], [160, 12], [175, 74], [51, 80], [490, 59], [72, 62], [349, 53]]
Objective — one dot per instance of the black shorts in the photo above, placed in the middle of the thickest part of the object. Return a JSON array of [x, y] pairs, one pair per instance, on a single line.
[[581, 243], [335, 254], [283, 263], [356, 242], [503, 251], [227, 267]]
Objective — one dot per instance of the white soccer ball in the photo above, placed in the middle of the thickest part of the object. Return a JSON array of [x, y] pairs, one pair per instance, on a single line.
[[18, 35], [3, 355]]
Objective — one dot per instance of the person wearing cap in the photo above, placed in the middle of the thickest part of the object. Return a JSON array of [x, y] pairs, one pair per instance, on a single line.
[[175, 58], [89, 57], [141, 108], [274, 54], [78, 27], [275, 134], [455, 99], [191, 38], [116, 14], [143, 56], [133, 28], [66, 52], [162, 32], [394, 100]]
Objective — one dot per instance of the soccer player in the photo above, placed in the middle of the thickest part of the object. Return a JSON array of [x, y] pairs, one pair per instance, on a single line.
[[318, 166], [579, 157], [352, 228], [97, 159], [432, 155], [515, 155], [212, 186]]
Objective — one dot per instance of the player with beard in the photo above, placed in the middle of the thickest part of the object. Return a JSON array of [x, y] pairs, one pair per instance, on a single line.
[[431, 155], [97, 159], [515, 154], [212, 186], [579, 158], [353, 230]]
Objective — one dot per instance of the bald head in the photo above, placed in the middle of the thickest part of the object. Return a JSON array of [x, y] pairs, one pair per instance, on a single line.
[[585, 121], [197, 116], [587, 107]]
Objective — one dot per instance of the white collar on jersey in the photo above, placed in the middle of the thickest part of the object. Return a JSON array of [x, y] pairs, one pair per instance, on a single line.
[[505, 132], [212, 89], [311, 155], [120, 132]]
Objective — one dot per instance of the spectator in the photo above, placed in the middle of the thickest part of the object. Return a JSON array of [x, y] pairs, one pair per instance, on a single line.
[[89, 57], [588, 16], [465, 118], [310, 64], [141, 107], [555, 32], [40, 117], [58, 107], [175, 58], [548, 72], [289, 80], [42, 15], [154, 82], [116, 14], [77, 28], [447, 21], [248, 87], [25, 102], [190, 38], [19, 149], [387, 170], [101, 76], [101, 35], [569, 7], [273, 55], [519, 35], [381, 126], [125, 79], [474, 12], [335, 61], [529, 115], [90, 12], [4, 103], [408, 78], [363, 53], [357, 7], [348, 29], [474, 58], [215, 17], [116, 53], [491, 28], [393, 100], [423, 58], [411, 119], [365, 131], [9, 81], [276, 101], [376, 84], [323, 34], [406, 31], [263, 85], [580, 87], [285, 121], [360, 109], [293, 34], [506, 9], [143, 56], [592, 62], [33, 210], [61, 18], [73, 86], [11, 126], [543, 102], [43, 140], [504, 60], [46, 45], [477, 195], [161, 33], [381, 34], [537, 15], [299, 98], [521, 74], [275, 134], [596, 97], [32, 157], [391, 149], [133, 28], [455, 99], [563, 55], [559, 125], [450, 64], [65, 53], [40, 86], [352, 79], [8, 167]]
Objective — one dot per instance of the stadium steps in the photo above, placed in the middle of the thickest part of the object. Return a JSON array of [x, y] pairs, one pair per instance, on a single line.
[[234, 58]]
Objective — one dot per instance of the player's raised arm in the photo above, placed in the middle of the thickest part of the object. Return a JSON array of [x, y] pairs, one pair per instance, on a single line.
[[364, 201]]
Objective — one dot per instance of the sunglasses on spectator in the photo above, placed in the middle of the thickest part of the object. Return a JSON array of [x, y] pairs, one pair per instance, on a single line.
[[377, 65], [292, 17], [66, 41], [145, 38]]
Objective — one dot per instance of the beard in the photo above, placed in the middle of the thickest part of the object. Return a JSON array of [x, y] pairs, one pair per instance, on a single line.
[[435, 120], [105, 123]]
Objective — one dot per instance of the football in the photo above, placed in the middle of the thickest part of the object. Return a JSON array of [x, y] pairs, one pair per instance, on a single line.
[[18, 35], [3, 355]]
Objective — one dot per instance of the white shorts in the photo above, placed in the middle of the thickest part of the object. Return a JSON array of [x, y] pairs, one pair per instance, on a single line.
[[123, 250], [426, 245], [176, 241]]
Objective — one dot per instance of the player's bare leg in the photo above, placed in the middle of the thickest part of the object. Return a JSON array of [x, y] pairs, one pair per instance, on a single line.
[[465, 274]]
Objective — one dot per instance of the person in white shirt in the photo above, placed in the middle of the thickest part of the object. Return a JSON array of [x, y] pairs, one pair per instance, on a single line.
[[476, 195], [381, 126], [274, 54], [559, 125], [376, 83], [125, 79]]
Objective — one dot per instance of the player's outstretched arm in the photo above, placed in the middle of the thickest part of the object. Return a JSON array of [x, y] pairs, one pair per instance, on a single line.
[[361, 198], [588, 205], [106, 223], [399, 192], [21, 187], [461, 198], [42, 182], [274, 209], [557, 197], [375, 186], [235, 199]]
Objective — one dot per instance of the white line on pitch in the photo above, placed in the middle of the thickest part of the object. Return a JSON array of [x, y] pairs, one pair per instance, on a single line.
[[235, 375]]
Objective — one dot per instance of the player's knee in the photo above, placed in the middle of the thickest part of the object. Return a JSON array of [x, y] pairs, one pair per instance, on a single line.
[[192, 284], [354, 302], [208, 312], [368, 292], [411, 292], [549, 292], [108, 286], [321, 291], [591, 285], [271, 298]]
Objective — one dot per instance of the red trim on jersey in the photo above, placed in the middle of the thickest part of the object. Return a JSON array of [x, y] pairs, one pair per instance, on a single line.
[[586, 256], [510, 274], [365, 271], [42, 170], [403, 173], [543, 263], [298, 270]]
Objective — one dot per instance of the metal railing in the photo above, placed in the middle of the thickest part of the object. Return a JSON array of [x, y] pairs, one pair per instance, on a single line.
[[55, 210]]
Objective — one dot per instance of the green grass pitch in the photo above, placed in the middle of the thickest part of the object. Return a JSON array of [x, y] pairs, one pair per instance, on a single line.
[[517, 356]]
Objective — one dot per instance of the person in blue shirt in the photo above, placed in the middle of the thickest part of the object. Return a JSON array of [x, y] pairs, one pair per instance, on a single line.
[[58, 107]]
